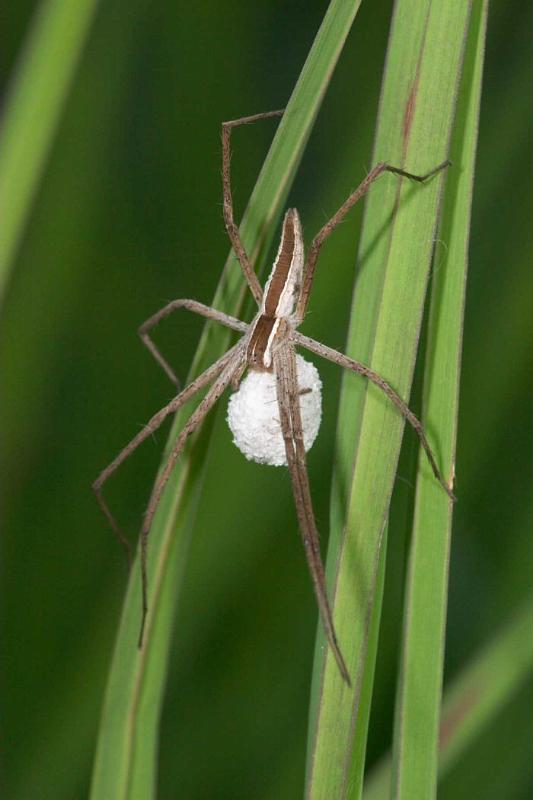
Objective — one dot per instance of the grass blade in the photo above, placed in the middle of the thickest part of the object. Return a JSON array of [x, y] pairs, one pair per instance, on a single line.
[[37, 95], [419, 692], [126, 753], [476, 696], [414, 129]]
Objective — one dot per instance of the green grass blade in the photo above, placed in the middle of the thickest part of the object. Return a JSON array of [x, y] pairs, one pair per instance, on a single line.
[[355, 776], [414, 129], [485, 686], [37, 95], [416, 738], [126, 753]]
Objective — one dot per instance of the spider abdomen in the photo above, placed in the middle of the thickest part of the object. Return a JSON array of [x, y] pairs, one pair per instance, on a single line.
[[253, 413]]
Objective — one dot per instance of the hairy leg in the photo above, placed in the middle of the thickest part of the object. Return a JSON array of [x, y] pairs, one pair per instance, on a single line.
[[153, 424], [356, 366], [291, 426], [338, 217], [189, 305], [231, 366], [231, 226]]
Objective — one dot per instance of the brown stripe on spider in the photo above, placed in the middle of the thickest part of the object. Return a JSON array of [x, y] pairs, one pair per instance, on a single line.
[[280, 295], [264, 331], [284, 283]]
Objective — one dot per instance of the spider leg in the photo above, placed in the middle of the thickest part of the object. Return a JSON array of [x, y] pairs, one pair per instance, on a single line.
[[152, 425], [231, 226], [337, 218], [356, 366], [291, 426], [189, 305], [230, 366]]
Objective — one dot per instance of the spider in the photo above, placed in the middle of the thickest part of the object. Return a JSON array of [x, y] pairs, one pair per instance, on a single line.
[[267, 350]]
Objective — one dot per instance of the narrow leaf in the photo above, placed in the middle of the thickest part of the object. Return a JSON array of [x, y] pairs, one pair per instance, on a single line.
[[419, 692], [36, 98], [471, 704]]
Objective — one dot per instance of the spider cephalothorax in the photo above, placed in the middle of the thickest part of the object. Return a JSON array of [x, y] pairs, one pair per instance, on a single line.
[[276, 319], [268, 350]]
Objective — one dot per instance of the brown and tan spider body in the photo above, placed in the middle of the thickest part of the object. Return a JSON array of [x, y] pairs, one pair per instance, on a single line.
[[253, 411], [276, 317], [268, 345]]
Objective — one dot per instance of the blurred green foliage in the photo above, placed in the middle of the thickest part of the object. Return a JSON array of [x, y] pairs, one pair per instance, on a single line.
[[127, 217]]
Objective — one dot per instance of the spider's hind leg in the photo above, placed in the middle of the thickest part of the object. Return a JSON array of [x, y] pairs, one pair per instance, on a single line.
[[210, 374], [237, 376], [291, 425], [230, 364]]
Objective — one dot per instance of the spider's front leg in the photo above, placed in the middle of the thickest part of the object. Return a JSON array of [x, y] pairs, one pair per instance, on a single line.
[[237, 244], [231, 226], [338, 217]]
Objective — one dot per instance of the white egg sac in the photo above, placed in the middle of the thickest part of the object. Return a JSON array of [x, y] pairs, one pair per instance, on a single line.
[[253, 413]]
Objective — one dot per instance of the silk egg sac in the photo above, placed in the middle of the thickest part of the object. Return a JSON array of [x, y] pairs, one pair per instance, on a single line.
[[253, 413]]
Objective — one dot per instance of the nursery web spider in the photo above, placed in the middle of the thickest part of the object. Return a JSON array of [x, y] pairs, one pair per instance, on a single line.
[[266, 347]]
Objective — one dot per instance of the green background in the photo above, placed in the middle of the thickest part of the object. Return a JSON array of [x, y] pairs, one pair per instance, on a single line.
[[128, 216]]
